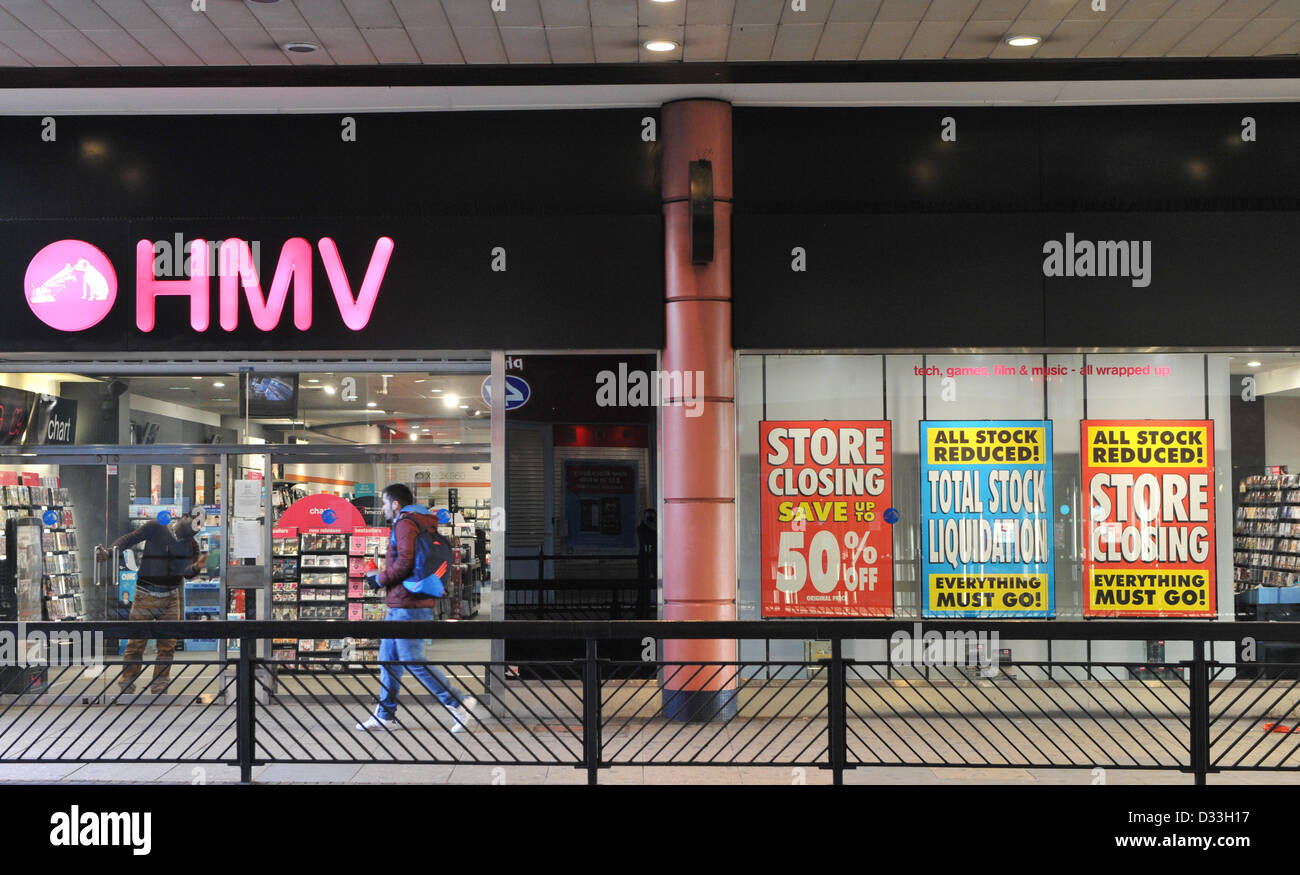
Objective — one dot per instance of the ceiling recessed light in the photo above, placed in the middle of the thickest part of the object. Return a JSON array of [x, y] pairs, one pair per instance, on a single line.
[[421, 381], [660, 45], [372, 404], [1253, 364], [1023, 41], [301, 48], [415, 437], [196, 378], [329, 390], [450, 400], [218, 385], [313, 380], [464, 407]]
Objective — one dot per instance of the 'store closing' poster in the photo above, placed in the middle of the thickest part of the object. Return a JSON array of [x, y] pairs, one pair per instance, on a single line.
[[986, 518], [1149, 525], [827, 547]]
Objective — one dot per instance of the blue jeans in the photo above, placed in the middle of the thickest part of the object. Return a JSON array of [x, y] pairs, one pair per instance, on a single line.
[[410, 650]]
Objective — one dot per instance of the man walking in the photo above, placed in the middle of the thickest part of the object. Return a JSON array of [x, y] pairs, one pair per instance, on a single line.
[[408, 519], [170, 555]]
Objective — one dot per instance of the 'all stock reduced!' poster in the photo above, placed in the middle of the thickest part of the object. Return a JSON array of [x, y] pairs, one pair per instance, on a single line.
[[827, 537], [986, 523], [1149, 538]]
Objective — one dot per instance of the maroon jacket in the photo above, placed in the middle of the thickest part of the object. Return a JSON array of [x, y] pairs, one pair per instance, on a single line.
[[401, 561]]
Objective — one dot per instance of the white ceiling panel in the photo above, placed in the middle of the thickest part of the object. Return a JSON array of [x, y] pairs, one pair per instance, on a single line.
[[1250, 40], [519, 13], [526, 45], [1195, 10], [1148, 10], [131, 14], [277, 14], [225, 15], [421, 14], [373, 13], [257, 46], [179, 16], [480, 45], [35, 14], [753, 42], [706, 42], [436, 45], [345, 45], [842, 42], [932, 39], [817, 11], [951, 10], [1069, 38], [390, 45], [1286, 44], [570, 45], [1000, 10], [82, 14], [1045, 10], [1241, 10], [10, 58], [565, 13], [469, 13], [123, 48], [615, 45], [1114, 37], [325, 14], [855, 10], [1207, 37], [168, 48], [212, 46], [74, 46], [614, 13], [886, 40], [902, 10], [651, 13], [1287, 9], [796, 42], [978, 39], [704, 11], [757, 11], [1158, 39]]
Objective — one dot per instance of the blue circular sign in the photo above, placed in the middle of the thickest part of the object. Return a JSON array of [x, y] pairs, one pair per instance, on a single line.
[[891, 515], [517, 392], [50, 518], [1065, 510], [164, 517], [329, 516]]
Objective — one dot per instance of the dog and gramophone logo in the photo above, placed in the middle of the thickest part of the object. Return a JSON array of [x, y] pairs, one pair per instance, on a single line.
[[70, 285]]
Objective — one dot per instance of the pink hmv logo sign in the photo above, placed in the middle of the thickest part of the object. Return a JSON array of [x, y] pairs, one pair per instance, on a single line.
[[71, 285]]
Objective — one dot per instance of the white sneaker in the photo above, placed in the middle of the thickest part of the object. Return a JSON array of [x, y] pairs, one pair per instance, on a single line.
[[377, 722], [462, 714]]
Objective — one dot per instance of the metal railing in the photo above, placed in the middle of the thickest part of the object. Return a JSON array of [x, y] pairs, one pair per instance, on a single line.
[[1197, 716]]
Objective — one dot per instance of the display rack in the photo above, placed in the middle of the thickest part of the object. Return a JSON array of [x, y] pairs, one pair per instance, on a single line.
[[43, 499], [1266, 534]]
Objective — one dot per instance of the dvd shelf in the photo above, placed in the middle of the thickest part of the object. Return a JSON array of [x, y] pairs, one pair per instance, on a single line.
[[1266, 534], [42, 499]]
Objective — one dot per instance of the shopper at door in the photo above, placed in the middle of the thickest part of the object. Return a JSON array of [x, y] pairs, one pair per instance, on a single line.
[[407, 519], [171, 554]]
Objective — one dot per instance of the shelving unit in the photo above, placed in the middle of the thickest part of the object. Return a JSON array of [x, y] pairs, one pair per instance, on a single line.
[[61, 593], [1266, 533]]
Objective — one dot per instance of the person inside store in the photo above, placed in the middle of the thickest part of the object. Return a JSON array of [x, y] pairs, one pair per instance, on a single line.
[[171, 554], [406, 519]]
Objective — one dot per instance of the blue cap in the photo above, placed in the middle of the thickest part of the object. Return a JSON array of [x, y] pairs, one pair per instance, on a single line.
[[444, 516]]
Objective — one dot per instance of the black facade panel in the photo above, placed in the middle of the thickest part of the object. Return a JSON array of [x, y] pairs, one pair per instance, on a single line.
[[886, 281]]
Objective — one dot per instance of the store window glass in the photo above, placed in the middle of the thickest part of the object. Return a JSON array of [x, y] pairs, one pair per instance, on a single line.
[[1068, 486]]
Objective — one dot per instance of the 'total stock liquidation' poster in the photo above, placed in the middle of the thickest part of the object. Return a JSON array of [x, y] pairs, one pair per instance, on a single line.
[[1149, 535], [827, 545], [986, 519]]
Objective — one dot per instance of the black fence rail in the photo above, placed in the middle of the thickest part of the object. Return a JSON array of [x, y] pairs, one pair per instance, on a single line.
[[599, 710]]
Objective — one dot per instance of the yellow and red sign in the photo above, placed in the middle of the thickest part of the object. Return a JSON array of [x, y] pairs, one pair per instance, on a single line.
[[827, 547], [1149, 529]]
